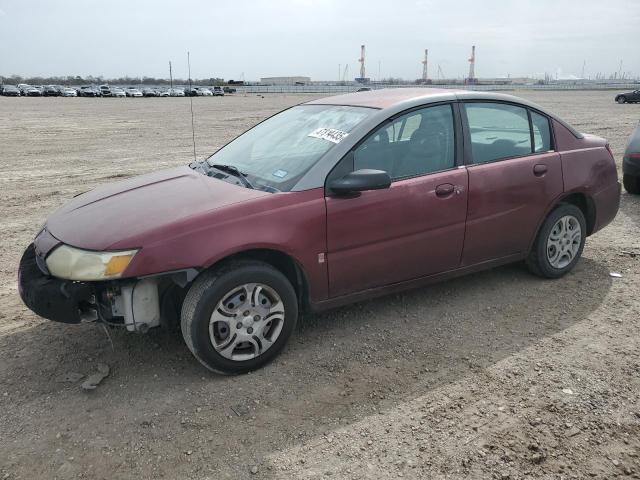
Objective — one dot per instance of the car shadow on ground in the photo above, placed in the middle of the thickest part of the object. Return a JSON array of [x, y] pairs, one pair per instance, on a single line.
[[339, 366], [630, 205]]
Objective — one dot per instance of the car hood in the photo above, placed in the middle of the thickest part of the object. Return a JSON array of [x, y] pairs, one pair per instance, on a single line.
[[119, 215]]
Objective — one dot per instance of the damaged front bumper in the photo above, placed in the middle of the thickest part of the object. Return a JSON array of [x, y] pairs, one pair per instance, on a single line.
[[132, 303], [52, 298]]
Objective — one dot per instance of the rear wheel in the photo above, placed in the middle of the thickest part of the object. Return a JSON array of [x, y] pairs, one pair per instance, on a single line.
[[559, 243], [631, 184], [621, 99], [239, 317]]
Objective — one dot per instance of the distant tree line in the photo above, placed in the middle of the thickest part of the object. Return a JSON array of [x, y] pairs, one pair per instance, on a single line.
[[88, 80]]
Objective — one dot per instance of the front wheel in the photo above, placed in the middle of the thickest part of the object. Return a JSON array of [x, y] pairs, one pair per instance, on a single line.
[[631, 184], [621, 100], [238, 317], [559, 243]]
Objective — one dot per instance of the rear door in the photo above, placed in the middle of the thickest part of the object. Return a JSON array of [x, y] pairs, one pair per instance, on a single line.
[[514, 173], [415, 227]]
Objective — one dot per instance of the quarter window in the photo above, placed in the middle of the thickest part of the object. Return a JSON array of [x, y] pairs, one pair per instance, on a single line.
[[417, 143], [497, 131], [541, 133]]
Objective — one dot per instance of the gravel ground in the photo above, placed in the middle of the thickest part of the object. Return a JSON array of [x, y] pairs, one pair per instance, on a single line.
[[495, 375]]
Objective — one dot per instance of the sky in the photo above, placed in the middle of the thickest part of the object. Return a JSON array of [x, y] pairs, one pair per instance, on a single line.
[[316, 38]]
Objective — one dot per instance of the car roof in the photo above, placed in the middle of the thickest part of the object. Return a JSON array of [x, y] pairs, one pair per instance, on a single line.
[[385, 97], [397, 99]]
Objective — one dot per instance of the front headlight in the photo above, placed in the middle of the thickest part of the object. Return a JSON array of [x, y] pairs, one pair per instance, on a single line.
[[74, 264]]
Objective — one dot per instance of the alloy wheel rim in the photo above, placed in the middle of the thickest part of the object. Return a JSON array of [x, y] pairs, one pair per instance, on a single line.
[[246, 322], [564, 241]]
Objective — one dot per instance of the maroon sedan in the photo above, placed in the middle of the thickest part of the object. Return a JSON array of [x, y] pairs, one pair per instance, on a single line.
[[326, 203]]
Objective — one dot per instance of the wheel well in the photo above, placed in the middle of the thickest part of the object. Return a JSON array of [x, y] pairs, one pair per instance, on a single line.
[[281, 262], [587, 206]]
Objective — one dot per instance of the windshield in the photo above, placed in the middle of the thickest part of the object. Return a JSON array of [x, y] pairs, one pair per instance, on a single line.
[[278, 151]]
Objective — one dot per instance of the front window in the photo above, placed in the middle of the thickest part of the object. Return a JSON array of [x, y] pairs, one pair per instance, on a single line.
[[417, 143], [276, 153]]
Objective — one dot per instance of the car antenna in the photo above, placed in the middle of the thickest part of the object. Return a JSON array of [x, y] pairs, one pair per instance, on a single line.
[[193, 130]]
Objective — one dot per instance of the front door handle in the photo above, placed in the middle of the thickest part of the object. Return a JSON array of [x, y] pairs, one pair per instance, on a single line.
[[539, 169], [444, 190]]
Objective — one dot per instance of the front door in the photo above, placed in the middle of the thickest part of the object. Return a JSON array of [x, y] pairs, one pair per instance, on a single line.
[[514, 174], [414, 228]]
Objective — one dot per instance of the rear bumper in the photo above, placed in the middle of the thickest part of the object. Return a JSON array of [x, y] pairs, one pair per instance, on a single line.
[[607, 203], [52, 298]]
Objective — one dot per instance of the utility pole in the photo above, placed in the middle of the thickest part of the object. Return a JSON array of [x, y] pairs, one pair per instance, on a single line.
[[170, 75]]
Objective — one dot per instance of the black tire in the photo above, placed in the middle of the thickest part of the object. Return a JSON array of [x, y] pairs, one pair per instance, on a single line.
[[631, 184], [203, 297], [621, 99], [538, 261]]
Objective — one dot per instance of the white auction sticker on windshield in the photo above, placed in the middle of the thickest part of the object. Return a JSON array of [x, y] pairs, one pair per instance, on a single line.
[[331, 134]]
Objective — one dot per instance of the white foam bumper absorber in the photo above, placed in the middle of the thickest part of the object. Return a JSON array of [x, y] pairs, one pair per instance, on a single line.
[[141, 305]]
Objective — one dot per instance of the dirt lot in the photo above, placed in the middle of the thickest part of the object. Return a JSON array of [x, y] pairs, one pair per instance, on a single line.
[[495, 375]]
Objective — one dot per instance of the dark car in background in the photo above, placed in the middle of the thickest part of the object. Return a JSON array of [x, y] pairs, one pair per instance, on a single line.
[[631, 163], [9, 91], [149, 92], [88, 91], [51, 91], [628, 97], [326, 203]]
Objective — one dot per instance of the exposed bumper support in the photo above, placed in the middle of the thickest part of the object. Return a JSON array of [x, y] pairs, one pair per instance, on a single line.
[[139, 304]]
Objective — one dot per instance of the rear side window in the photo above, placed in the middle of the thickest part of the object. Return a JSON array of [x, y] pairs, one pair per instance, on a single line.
[[498, 131], [541, 133]]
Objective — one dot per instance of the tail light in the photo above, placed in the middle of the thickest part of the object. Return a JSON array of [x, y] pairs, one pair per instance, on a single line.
[[634, 156]]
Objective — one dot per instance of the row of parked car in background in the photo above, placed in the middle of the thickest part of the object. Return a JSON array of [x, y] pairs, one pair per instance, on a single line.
[[24, 90]]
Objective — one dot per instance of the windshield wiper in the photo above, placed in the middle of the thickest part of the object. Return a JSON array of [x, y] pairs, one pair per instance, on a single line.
[[235, 172]]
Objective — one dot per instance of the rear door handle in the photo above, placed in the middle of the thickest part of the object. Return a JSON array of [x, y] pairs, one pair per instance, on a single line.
[[539, 169], [444, 190]]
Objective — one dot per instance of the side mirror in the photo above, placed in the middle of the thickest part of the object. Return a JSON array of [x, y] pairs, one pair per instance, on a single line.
[[360, 181]]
